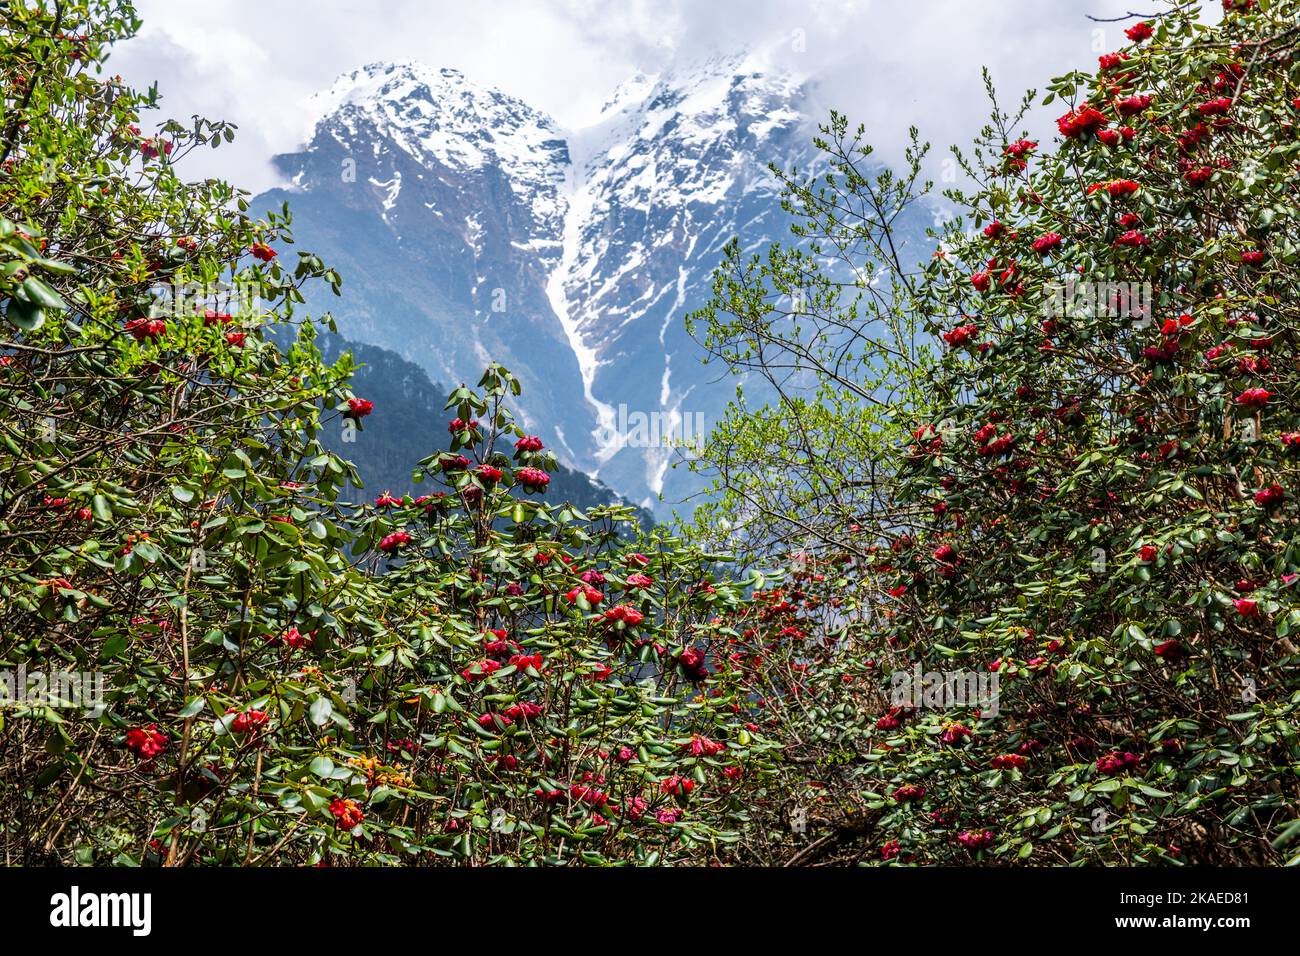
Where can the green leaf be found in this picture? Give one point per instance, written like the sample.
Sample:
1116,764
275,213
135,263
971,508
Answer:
28,316
40,293
321,710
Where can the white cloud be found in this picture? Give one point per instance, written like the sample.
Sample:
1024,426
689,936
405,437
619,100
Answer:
888,64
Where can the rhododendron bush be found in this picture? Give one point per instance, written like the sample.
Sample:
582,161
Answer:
1053,468
479,674
1091,482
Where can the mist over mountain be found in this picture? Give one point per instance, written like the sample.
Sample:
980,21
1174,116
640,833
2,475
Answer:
470,227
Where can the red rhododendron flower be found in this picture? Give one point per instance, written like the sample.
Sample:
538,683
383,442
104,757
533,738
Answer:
975,839
1046,243
1161,353
980,280
360,407
347,814
1198,177
1133,239
262,251
955,733
909,793
394,541
1009,761
945,554
1254,397
1171,649
490,721
1272,495
691,661
529,443
1253,258
1190,139
676,786
526,661
1246,607
480,670
1148,552
1076,123
593,796
497,645
1133,104
155,147
532,479
960,336
146,742
1139,32
1215,107
248,722
295,639
628,615
593,596
1116,762
146,330
704,747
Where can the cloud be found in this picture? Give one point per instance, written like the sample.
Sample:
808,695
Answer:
887,64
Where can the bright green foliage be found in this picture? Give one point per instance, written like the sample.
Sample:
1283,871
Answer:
285,680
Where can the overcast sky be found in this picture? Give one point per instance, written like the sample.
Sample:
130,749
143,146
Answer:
887,63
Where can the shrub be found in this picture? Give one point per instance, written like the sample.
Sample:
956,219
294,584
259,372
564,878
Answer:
482,674
1096,505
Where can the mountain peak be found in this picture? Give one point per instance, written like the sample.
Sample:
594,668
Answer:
578,271
435,114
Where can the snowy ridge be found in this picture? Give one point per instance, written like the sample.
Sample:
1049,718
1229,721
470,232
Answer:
667,153
439,117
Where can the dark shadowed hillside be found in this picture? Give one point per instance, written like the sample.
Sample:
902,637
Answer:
409,422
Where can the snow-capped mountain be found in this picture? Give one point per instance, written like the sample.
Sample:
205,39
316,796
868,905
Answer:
469,227
442,205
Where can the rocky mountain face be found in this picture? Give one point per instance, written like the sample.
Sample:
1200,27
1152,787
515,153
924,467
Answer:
469,228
